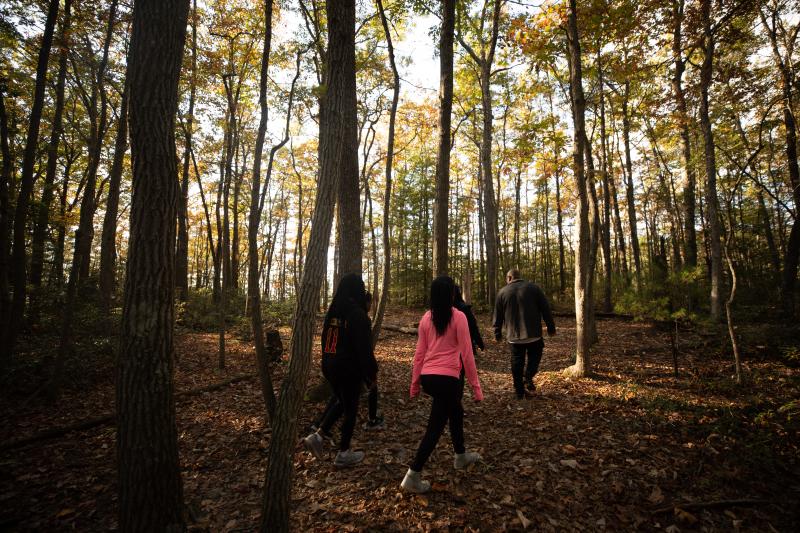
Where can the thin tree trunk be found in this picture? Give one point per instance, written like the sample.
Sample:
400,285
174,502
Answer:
5,231
442,195
608,305
332,144
43,212
150,487
19,255
387,193
706,72
626,136
583,274
108,241
182,247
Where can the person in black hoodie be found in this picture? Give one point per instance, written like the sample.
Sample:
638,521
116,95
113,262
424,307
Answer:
474,331
348,361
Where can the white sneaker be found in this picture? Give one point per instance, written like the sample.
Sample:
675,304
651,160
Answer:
465,459
348,458
314,444
414,483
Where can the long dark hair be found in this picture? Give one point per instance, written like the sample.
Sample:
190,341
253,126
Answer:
442,292
349,293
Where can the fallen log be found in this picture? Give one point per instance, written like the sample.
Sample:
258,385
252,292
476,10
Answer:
400,329
109,418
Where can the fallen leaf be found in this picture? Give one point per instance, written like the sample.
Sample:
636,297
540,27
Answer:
525,522
656,496
572,463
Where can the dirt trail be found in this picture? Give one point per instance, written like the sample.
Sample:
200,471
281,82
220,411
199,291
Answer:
619,451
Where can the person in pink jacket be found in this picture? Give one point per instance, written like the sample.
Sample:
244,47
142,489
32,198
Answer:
443,357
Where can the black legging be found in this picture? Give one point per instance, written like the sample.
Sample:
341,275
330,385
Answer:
447,392
347,387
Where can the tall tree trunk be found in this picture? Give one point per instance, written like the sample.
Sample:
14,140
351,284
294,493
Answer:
387,193
583,274
19,255
43,212
332,144
712,203
349,200
608,306
562,284
150,487
182,247
682,116
108,240
442,195
97,130
626,136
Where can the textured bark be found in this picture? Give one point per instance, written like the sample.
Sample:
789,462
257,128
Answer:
608,305
182,246
108,239
334,101
150,488
43,212
583,274
712,204
682,116
562,283
19,255
387,193
442,195
349,226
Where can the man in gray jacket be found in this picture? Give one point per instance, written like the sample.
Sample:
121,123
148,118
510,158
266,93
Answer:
520,308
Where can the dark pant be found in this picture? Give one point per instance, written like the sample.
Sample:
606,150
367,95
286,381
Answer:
447,392
531,351
372,402
333,403
346,388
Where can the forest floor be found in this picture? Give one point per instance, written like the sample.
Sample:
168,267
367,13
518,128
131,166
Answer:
631,448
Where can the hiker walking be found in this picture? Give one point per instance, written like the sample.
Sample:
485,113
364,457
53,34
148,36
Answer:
518,313
348,361
442,359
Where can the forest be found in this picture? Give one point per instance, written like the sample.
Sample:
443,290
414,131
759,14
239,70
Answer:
185,183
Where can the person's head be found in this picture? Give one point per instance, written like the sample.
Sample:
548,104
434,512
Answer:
513,275
442,294
350,292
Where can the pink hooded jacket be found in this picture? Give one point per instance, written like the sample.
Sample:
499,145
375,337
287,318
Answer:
443,354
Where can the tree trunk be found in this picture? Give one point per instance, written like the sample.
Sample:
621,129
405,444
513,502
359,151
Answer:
108,240
608,306
182,247
5,222
43,212
706,72
150,488
387,194
583,301
690,238
332,144
349,200
442,195
626,136
19,256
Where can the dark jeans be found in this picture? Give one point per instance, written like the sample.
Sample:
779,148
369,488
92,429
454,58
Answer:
519,353
447,392
372,402
333,403
346,388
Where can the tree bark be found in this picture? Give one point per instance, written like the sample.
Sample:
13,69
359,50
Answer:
19,255
108,240
712,203
626,136
349,199
583,301
5,231
387,193
182,246
334,106
608,306
43,212
442,195
150,488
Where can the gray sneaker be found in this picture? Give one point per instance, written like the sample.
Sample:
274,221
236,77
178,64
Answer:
348,458
414,483
314,444
462,460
